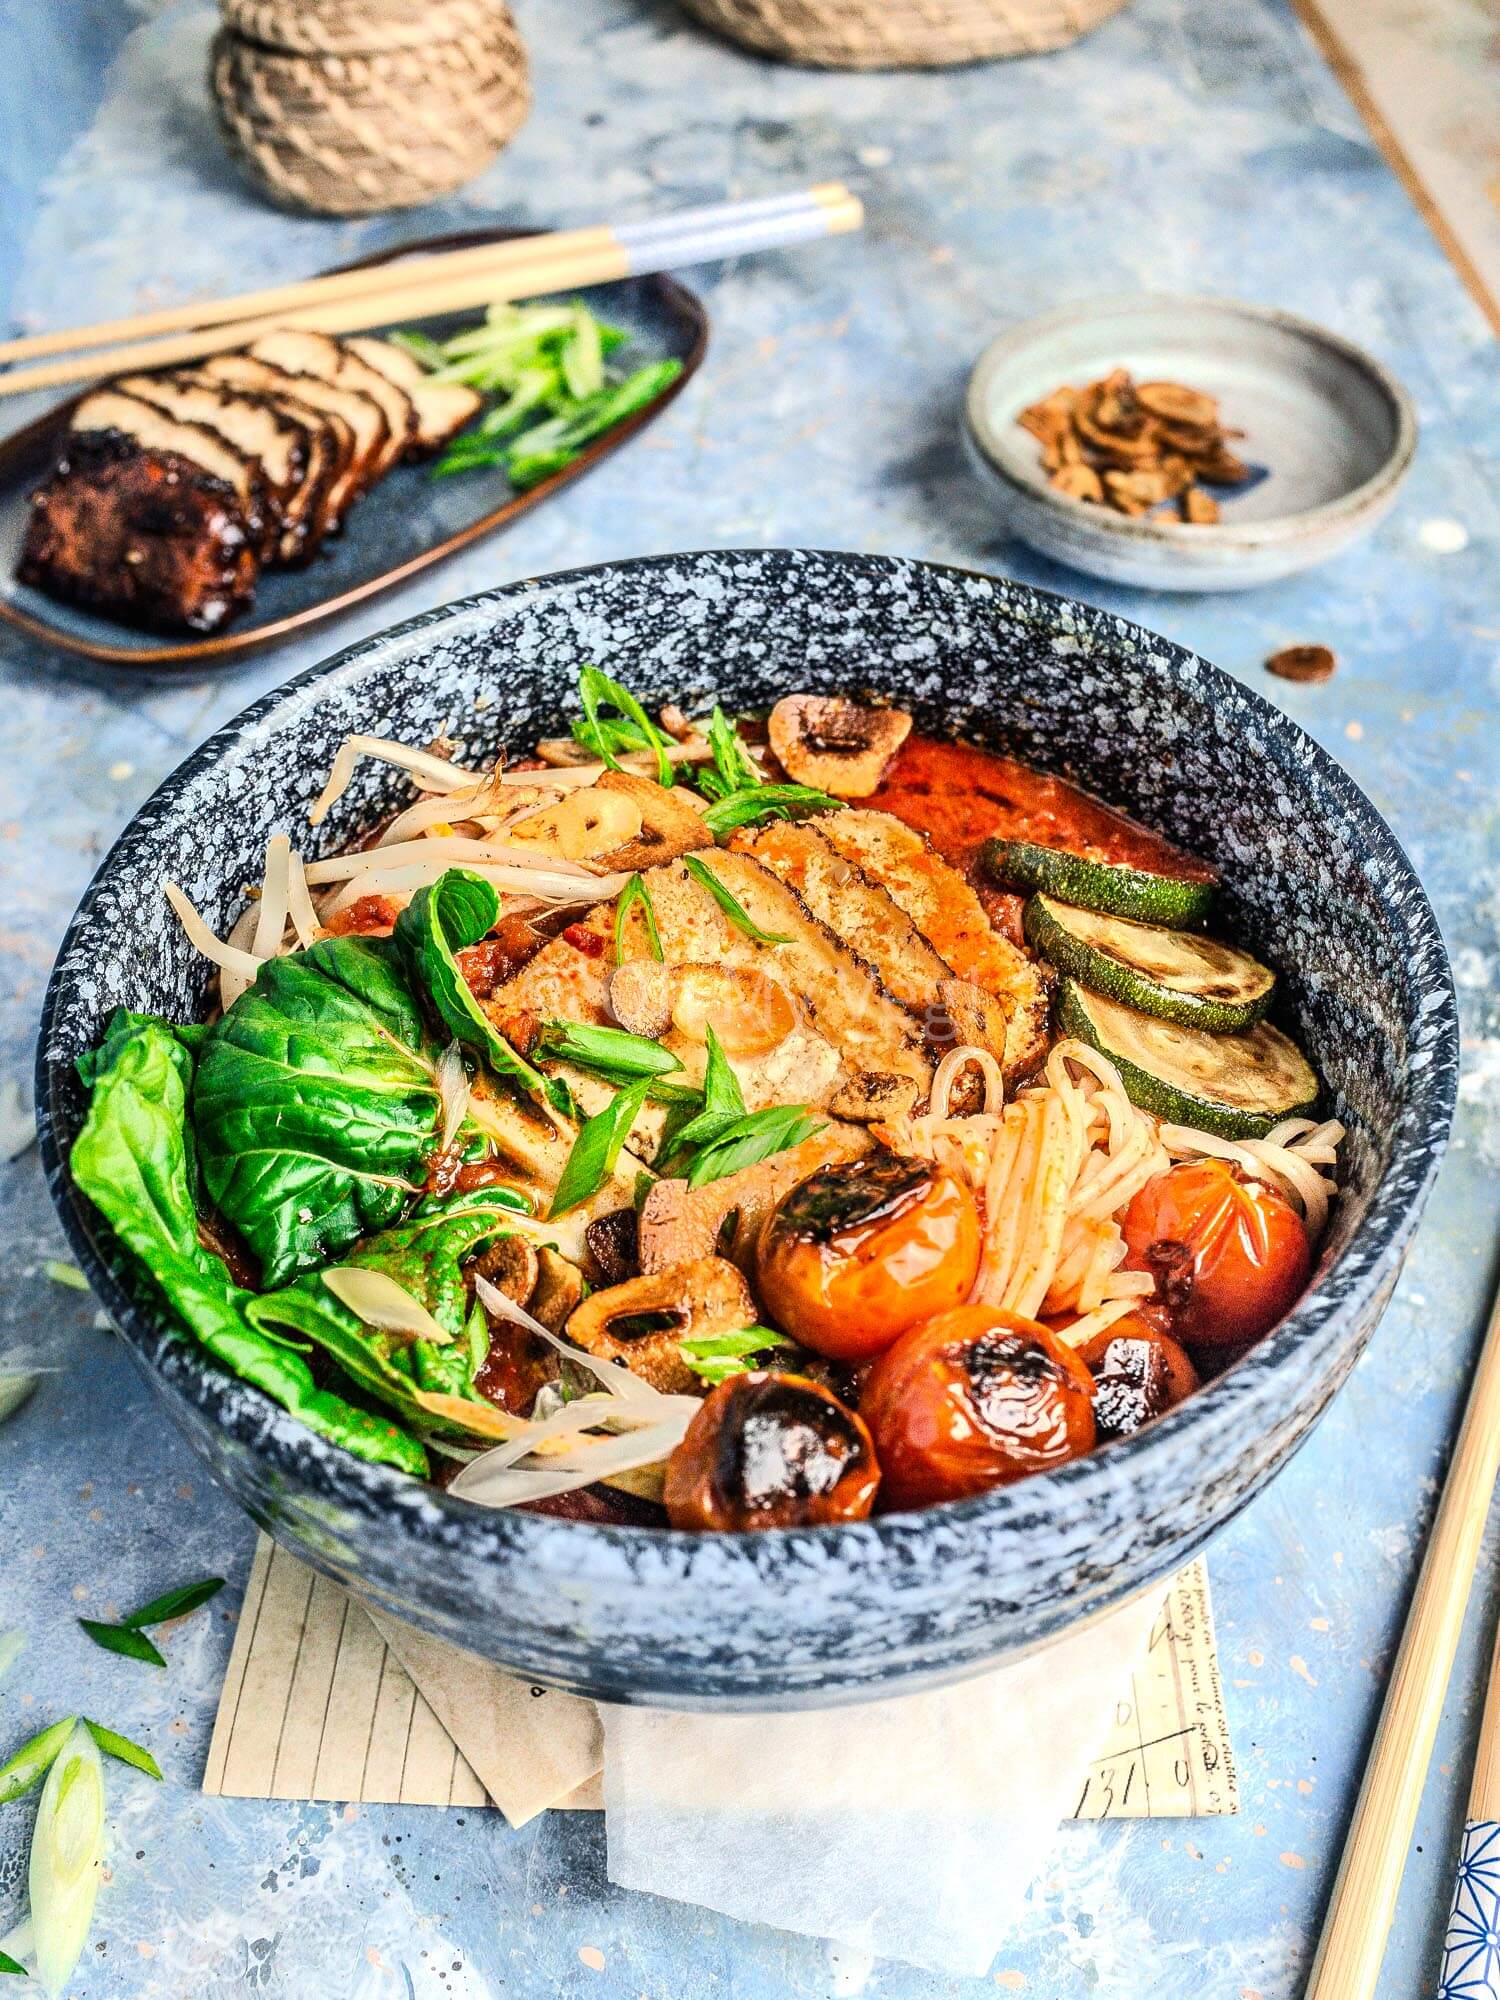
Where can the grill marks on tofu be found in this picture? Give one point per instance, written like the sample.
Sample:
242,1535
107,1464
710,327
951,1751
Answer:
249,424
849,1024
259,454
324,359
441,408
951,917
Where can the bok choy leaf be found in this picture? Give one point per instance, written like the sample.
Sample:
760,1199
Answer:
131,1160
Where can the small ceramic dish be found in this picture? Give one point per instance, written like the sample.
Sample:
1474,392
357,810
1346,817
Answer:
795,1618
407,523
1330,431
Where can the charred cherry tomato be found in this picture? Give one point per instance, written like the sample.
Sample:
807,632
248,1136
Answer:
973,1399
1229,1255
771,1451
857,1253
1138,1372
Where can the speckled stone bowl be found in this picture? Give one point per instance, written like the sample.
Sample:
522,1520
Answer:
801,1618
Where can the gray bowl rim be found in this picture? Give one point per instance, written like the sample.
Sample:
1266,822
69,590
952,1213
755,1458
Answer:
1317,1326
1226,536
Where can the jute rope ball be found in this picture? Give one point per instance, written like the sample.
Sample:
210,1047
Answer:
900,34
346,107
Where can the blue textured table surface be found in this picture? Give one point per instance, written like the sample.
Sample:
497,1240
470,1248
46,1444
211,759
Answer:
1190,145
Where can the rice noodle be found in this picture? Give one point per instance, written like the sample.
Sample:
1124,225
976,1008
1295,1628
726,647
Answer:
952,1066
1055,1170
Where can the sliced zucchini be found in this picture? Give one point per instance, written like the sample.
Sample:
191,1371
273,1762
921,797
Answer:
1177,975
1109,886
1238,1086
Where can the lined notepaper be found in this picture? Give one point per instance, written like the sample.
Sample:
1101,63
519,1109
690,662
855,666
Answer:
325,1699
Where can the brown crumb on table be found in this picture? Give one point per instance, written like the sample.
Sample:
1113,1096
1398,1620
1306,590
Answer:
1135,446
1302,663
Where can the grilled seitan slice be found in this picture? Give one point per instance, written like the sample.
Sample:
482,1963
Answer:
304,353
366,420
140,532
110,409
442,408
260,433
311,513
951,917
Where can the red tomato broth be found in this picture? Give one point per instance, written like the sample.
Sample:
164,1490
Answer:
960,797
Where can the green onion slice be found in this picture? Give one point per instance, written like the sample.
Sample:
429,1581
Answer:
736,912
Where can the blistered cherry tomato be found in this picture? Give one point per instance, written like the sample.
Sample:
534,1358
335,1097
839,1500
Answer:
771,1451
973,1399
1229,1255
857,1253
1138,1372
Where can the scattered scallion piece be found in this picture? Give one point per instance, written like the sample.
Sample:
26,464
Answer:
608,1052
765,801
128,1638
736,912
122,1639
66,1844
723,1103
26,1766
115,1745
11,1643
746,1141
717,1356
597,1148
174,1603
604,736
635,892
10,1966
733,769
65,1274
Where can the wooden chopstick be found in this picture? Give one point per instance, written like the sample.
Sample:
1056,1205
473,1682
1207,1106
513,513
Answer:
435,267
1363,1904
1468,1954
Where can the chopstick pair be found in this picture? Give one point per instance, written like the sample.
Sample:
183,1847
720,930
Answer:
1352,1946
425,287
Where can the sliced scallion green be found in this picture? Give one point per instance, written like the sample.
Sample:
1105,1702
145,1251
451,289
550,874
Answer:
597,1148
735,910
636,893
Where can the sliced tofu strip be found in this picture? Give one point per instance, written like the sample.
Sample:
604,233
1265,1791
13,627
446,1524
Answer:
679,1223
951,917
367,425
855,907
319,354
442,408
109,409
842,994
250,425
310,514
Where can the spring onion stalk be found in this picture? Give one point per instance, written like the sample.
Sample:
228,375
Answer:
10,1649
66,1847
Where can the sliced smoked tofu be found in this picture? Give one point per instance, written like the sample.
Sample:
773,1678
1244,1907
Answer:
442,408
331,361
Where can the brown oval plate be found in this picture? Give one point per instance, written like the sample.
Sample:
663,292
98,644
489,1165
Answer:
407,523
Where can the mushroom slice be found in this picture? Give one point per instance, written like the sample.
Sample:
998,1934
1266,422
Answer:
838,746
640,997
750,1012
667,823
868,1095
645,1321
580,827
510,1264
614,1244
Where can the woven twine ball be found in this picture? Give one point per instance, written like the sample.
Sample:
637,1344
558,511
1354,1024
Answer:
900,34
346,107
